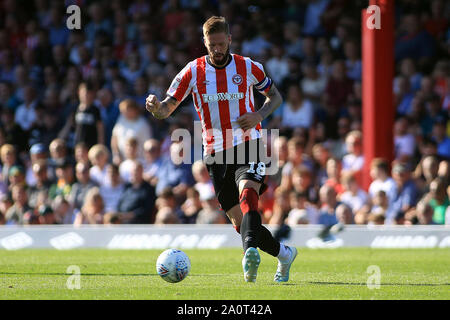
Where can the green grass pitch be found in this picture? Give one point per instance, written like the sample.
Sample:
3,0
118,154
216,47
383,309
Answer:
217,275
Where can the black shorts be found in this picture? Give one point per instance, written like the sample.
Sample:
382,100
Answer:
246,161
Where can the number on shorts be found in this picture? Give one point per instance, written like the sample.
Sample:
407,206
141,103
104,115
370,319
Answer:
260,169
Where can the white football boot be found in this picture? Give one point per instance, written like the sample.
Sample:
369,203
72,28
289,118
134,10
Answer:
282,274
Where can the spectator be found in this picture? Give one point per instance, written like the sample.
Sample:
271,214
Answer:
177,176
25,114
81,187
65,180
62,210
58,153
81,153
313,83
404,194
295,112
377,213
321,155
46,215
9,159
152,161
98,156
413,41
302,211
129,124
42,185
404,142
93,209
353,161
344,214
192,206
438,200
38,152
329,203
6,202
109,112
137,203
442,140
88,124
338,146
203,181
281,207
313,23
404,96
131,155
277,66
381,180
17,176
113,189
353,60
13,133
425,173
296,157
334,168
210,212
302,182
168,211
15,214
354,197
338,89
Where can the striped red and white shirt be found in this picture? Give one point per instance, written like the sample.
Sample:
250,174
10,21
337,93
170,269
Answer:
221,95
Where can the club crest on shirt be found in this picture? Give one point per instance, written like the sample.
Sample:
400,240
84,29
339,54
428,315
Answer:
237,79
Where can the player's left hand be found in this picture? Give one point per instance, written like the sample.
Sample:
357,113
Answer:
249,120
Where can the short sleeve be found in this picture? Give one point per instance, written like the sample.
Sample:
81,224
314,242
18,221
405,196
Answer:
182,84
261,81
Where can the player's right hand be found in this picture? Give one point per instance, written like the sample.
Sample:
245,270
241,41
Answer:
152,103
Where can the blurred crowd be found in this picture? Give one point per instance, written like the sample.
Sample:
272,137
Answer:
77,146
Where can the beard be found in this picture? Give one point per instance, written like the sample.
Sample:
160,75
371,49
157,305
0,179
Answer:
220,60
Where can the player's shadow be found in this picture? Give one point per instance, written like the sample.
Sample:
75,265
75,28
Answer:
382,284
82,274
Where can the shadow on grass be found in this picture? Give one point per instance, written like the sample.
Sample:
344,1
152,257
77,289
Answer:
382,284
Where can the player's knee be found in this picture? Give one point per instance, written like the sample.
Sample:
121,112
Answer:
249,184
248,200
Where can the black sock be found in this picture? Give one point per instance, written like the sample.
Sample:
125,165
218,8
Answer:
250,228
267,242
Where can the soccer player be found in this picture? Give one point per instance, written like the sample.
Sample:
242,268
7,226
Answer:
221,84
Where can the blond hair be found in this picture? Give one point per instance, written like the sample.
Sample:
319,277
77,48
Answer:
90,197
215,24
6,148
97,150
128,103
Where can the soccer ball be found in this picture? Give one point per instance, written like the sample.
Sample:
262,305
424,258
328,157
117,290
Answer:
173,265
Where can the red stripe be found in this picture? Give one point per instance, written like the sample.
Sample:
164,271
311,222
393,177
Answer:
183,86
224,107
258,73
201,78
241,70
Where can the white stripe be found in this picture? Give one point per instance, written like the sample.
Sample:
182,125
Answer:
211,88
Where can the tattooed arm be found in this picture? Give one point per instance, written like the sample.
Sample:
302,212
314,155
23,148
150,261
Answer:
273,101
163,109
